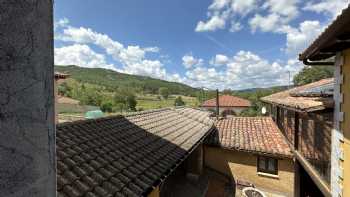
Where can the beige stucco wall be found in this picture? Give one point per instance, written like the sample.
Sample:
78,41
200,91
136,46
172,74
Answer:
243,166
237,110
345,125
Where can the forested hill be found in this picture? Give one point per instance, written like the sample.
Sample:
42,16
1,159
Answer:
113,80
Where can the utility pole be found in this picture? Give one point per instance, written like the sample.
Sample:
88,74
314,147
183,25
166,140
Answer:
217,104
289,77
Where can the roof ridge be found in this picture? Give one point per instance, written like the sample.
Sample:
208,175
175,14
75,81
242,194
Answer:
112,117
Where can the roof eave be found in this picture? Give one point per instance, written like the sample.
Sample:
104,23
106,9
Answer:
335,38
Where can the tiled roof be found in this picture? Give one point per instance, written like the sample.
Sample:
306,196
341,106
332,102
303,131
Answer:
303,103
59,75
227,101
251,134
125,155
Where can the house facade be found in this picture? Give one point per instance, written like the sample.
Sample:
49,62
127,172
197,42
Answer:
305,117
252,152
332,48
228,105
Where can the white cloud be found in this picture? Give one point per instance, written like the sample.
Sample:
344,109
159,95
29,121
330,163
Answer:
189,61
243,7
214,23
299,39
81,55
332,7
219,60
244,70
270,23
61,23
287,8
219,4
236,26
132,58
220,11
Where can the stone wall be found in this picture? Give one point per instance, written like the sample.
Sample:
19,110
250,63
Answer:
27,131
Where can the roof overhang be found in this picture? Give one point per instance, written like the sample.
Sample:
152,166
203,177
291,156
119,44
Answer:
326,105
334,39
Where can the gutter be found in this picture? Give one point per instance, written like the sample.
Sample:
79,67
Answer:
315,63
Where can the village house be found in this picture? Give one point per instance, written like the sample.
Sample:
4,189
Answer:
332,47
305,117
253,152
228,105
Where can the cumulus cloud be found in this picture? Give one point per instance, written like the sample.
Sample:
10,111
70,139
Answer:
220,11
214,23
219,60
332,7
132,58
299,38
81,55
236,26
63,22
189,61
244,70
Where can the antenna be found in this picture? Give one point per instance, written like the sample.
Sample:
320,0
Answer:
289,77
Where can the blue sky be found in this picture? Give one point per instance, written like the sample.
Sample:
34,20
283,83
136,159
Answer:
222,44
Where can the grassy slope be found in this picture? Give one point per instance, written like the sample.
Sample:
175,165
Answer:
111,80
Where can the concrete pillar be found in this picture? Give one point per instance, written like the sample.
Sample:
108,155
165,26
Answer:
27,130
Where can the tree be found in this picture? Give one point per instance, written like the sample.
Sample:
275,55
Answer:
124,99
312,74
179,102
131,102
107,107
64,89
164,92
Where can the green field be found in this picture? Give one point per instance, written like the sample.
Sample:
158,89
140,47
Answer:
147,102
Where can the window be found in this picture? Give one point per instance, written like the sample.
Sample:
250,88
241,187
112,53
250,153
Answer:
267,165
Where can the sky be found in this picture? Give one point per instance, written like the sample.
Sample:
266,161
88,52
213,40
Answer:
225,44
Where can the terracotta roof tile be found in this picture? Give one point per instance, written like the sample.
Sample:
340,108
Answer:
303,103
227,101
125,155
251,134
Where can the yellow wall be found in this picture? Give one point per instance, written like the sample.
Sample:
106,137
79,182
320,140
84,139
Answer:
242,166
154,193
345,126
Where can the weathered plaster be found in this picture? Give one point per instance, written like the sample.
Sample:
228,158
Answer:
27,137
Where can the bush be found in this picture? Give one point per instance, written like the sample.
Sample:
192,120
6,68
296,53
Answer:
164,92
179,102
107,107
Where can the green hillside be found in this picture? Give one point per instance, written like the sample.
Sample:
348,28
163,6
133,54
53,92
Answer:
112,80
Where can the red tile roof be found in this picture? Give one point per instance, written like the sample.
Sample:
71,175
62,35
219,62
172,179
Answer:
251,134
59,75
126,155
227,101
